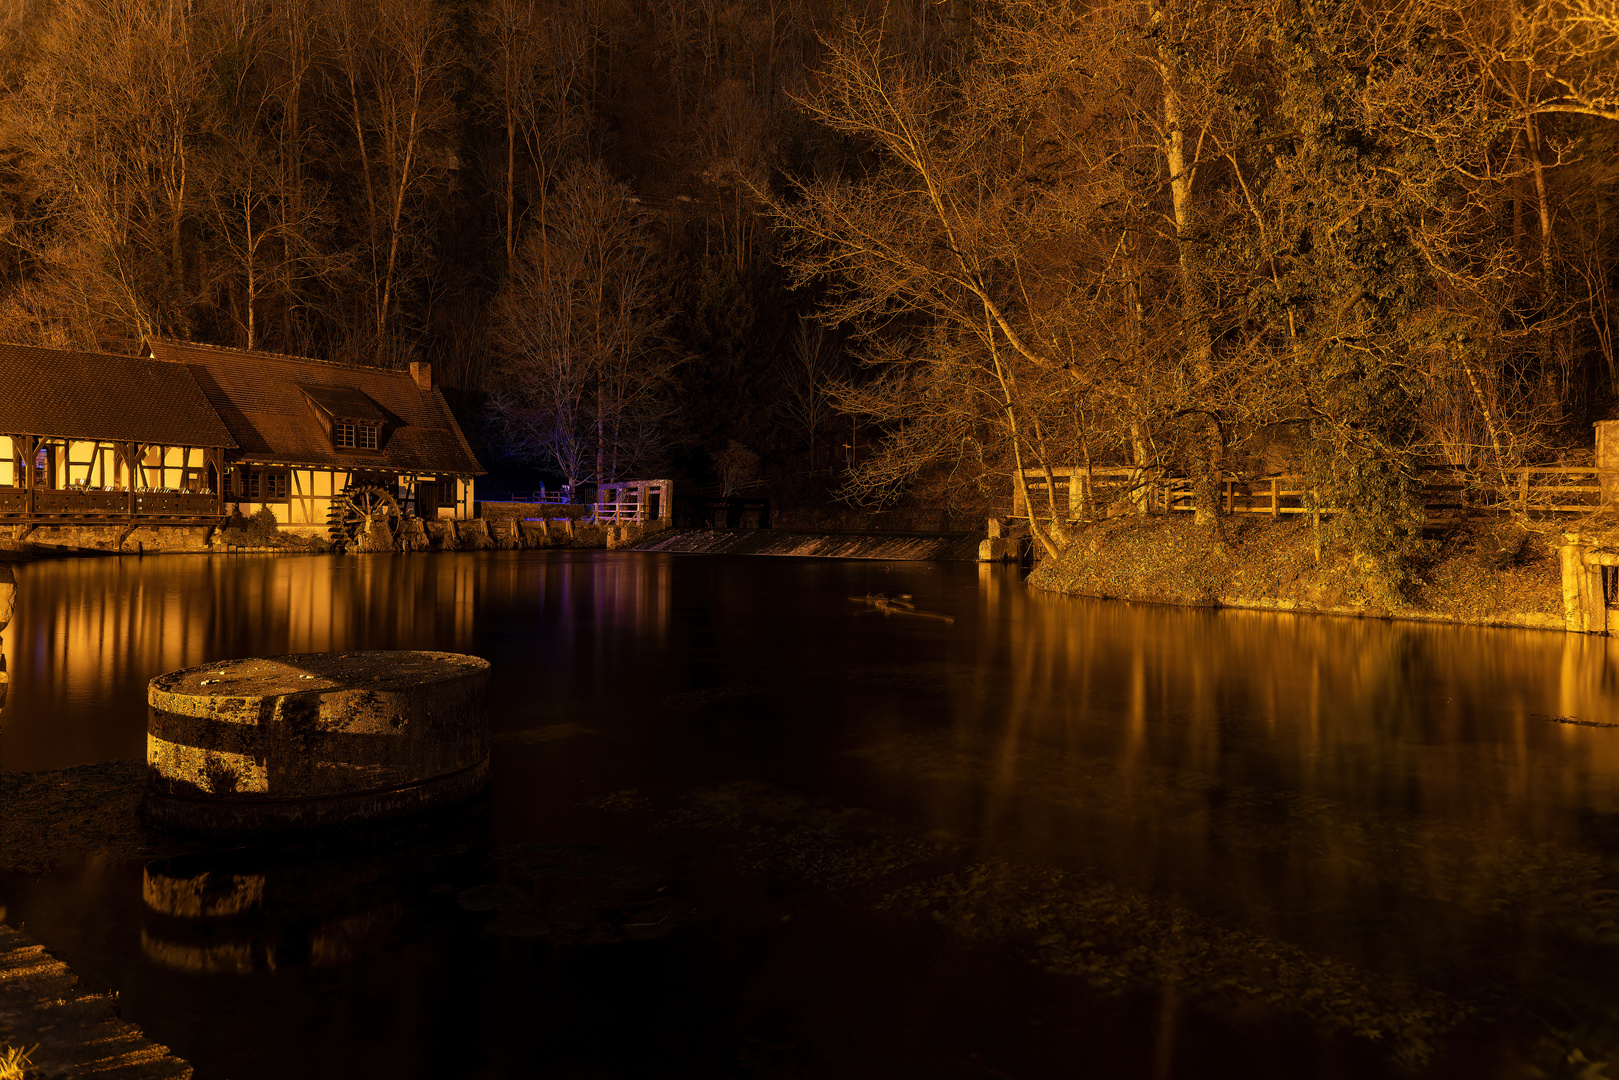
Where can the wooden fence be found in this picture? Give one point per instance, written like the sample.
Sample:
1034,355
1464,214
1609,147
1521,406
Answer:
1538,491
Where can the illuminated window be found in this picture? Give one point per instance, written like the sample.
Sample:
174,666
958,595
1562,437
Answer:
343,435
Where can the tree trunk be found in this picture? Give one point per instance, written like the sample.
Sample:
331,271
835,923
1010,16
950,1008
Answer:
1202,460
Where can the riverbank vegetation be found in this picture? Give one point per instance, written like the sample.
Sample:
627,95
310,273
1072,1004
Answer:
1475,573
892,250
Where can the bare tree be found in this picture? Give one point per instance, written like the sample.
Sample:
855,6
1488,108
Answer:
806,372
585,380
395,58
112,119
537,61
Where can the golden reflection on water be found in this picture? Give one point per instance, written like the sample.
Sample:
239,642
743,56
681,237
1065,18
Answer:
88,634
1308,776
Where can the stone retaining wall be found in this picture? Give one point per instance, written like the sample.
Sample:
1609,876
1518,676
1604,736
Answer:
431,534
112,538
521,511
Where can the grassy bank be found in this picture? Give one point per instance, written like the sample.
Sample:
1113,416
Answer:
1476,573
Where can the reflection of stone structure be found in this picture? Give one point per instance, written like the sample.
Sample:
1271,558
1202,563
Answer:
313,739
255,915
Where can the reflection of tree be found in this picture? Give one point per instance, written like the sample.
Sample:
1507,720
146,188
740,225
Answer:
1373,811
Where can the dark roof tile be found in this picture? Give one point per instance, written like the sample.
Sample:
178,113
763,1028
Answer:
85,395
344,403
264,399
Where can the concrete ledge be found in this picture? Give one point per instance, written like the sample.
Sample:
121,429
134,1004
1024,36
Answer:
1529,620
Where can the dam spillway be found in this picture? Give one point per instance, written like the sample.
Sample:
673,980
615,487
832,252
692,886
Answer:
826,544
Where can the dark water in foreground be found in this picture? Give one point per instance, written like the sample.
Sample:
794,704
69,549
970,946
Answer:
742,826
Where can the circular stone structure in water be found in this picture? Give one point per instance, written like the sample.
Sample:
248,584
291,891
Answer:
313,739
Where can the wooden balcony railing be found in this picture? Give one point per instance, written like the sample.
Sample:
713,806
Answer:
72,505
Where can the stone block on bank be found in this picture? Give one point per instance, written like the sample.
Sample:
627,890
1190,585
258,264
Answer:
534,534
441,534
376,536
505,534
8,595
412,535
473,534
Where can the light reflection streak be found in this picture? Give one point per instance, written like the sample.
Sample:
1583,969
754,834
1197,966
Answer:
90,633
1306,771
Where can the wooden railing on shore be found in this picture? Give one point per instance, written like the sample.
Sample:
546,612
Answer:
1541,490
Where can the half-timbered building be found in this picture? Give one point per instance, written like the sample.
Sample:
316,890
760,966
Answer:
187,433
307,430
91,438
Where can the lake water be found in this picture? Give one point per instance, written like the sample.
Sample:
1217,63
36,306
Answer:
743,825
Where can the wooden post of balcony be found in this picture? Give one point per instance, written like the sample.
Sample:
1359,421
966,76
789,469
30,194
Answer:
1276,497
216,457
124,458
30,448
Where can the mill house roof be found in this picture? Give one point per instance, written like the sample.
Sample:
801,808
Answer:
280,408
86,395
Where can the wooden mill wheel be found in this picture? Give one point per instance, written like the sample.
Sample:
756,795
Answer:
356,508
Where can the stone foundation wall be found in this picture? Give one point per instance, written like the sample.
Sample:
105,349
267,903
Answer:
111,539
521,511
432,534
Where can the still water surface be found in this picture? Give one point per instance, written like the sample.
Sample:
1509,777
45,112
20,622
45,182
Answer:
744,826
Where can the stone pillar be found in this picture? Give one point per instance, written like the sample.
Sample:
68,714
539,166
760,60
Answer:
287,742
412,534
1607,459
1585,608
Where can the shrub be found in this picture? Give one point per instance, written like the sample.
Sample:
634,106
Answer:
263,524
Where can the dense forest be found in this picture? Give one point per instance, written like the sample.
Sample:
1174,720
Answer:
860,250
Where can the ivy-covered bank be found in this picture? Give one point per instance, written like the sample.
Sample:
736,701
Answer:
1490,574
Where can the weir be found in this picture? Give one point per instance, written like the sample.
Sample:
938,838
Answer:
906,547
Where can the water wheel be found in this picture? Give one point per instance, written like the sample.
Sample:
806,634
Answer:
355,510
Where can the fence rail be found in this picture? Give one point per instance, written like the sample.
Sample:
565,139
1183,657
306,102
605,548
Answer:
1536,490
552,498
89,505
